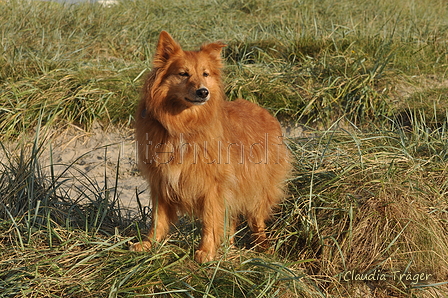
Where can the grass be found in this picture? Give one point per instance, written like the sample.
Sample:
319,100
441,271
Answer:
315,63
367,81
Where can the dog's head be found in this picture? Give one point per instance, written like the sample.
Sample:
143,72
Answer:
189,78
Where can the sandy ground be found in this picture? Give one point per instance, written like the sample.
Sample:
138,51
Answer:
90,161
87,162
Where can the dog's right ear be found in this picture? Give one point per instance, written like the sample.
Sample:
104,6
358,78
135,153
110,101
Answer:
166,48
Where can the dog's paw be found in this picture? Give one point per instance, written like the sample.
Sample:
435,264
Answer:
140,246
202,256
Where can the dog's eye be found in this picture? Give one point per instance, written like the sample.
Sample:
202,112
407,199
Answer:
184,74
205,74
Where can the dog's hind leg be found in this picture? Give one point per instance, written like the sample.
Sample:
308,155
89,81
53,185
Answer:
232,229
257,225
260,240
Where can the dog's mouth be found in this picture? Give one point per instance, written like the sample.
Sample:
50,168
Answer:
198,101
201,96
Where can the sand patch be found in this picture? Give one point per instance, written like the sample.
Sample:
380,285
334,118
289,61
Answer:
96,162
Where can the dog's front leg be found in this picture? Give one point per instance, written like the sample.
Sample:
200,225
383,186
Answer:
212,229
163,216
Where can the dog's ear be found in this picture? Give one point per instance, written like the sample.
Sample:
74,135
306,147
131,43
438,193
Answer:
166,48
213,49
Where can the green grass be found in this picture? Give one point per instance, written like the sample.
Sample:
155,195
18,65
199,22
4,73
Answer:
367,81
313,61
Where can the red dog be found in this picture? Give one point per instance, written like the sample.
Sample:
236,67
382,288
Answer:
204,155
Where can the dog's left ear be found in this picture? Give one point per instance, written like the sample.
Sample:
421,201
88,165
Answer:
167,47
213,49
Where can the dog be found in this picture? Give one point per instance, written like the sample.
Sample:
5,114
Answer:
204,155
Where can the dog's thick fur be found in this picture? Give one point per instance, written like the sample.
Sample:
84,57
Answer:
204,155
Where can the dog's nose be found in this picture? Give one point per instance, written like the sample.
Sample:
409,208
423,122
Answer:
202,92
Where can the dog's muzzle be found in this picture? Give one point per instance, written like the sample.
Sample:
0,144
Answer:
202,93
201,96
